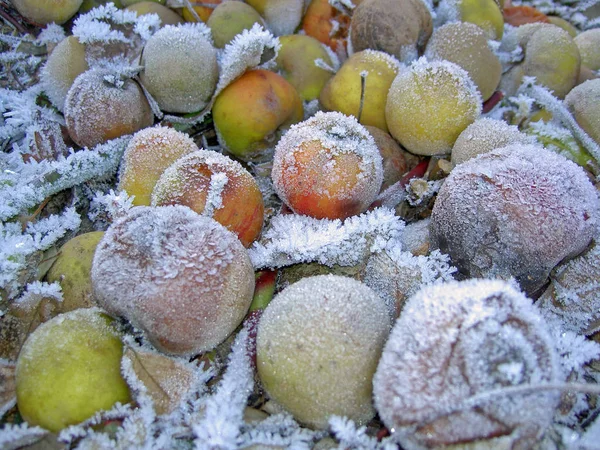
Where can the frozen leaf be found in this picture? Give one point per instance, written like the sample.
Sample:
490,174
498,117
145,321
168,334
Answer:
293,239
168,380
14,437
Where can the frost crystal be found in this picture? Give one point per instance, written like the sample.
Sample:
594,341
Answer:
18,436
293,239
224,410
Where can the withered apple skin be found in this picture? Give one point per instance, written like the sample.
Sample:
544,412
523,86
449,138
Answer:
182,278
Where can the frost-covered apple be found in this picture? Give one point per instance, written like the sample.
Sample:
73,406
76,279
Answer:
583,102
466,45
65,63
588,43
146,157
180,68
101,106
430,104
182,278
485,135
282,16
344,92
318,343
297,62
398,27
215,186
72,270
270,104
229,19
167,16
327,167
514,212
551,56
456,343
70,368
484,13
47,11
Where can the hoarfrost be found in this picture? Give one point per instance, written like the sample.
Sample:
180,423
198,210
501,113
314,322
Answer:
223,420
13,436
111,206
279,430
293,239
26,185
353,437
449,347
52,34
38,290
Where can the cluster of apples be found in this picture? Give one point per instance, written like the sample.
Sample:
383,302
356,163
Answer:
392,89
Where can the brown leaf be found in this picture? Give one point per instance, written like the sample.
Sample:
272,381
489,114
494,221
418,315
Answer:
167,379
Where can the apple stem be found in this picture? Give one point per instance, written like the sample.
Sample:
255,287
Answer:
363,82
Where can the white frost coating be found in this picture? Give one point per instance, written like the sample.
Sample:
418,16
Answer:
317,346
293,239
214,197
452,345
224,410
97,25
27,184
21,435
396,275
573,297
484,135
38,290
283,16
182,278
339,137
110,206
514,212
52,34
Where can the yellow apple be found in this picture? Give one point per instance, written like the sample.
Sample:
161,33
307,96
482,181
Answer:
70,368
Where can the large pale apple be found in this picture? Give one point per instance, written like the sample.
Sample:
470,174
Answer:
251,113
343,92
296,61
70,368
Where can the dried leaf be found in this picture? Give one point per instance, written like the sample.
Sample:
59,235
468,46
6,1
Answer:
167,379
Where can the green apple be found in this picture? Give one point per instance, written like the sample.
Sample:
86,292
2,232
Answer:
70,368
282,16
484,13
231,18
72,270
296,62
343,92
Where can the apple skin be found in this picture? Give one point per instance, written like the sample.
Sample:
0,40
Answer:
342,92
282,16
296,62
484,13
148,154
72,270
70,368
231,18
47,11
270,105
188,182
204,12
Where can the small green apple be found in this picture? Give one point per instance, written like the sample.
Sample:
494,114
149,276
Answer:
231,18
72,270
70,368
296,62
47,11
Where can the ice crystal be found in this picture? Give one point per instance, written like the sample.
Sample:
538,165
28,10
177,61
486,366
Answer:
24,186
52,34
224,411
353,437
38,290
293,239
279,430
109,207
18,436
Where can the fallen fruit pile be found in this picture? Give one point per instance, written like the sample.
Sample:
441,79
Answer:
353,224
